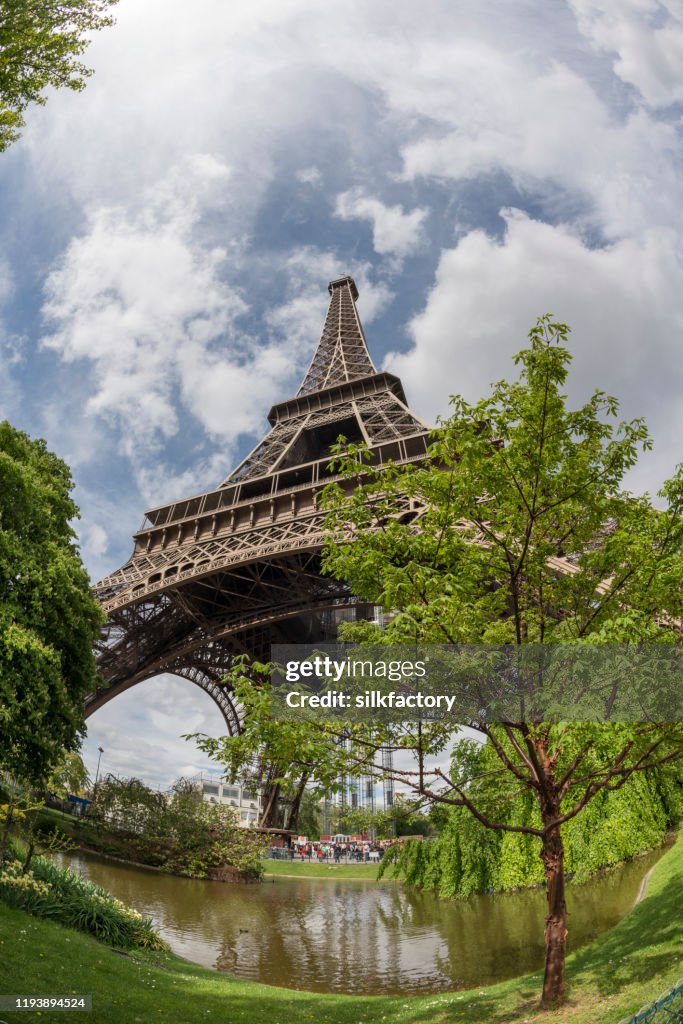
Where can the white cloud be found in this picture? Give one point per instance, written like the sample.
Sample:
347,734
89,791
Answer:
309,176
11,351
648,53
624,304
109,515
130,292
237,83
140,731
95,541
394,232
548,127
149,310
461,89
10,389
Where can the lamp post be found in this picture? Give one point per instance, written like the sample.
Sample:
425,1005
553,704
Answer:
97,773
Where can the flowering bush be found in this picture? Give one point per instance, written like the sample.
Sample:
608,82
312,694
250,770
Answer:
62,895
15,885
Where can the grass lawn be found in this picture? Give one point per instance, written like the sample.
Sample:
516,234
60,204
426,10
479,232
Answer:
66,822
629,966
302,869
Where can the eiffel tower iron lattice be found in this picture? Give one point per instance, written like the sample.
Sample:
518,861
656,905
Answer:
237,568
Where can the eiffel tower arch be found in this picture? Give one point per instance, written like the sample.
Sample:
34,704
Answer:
237,568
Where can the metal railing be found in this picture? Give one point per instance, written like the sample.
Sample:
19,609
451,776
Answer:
668,1009
278,853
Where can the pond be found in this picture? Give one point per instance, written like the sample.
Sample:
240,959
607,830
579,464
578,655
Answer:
359,936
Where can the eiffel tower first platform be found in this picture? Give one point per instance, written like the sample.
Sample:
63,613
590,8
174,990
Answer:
235,569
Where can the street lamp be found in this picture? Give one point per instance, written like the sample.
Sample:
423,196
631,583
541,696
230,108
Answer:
97,773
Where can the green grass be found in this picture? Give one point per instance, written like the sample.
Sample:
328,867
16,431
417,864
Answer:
302,869
93,836
629,966
50,817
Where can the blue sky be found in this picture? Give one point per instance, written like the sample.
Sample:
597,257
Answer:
169,233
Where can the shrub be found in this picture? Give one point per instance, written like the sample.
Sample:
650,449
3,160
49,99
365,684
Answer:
63,896
468,858
183,835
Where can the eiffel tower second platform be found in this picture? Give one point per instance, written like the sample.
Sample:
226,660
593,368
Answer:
237,568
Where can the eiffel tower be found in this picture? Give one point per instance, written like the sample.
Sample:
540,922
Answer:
237,568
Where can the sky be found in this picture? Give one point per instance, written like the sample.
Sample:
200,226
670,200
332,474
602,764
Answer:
168,235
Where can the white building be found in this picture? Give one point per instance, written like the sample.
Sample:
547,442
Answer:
246,801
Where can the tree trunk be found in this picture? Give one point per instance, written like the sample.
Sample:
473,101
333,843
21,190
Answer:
29,856
552,855
4,838
293,820
270,811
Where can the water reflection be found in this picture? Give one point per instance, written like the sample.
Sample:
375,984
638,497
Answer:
355,936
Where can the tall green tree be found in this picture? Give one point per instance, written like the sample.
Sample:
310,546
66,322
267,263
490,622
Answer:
40,46
516,531
524,535
49,619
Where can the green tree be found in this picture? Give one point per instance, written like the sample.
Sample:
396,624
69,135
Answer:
280,759
128,805
69,775
310,813
403,818
473,548
40,46
49,620
178,832
516,531
467,858
353,820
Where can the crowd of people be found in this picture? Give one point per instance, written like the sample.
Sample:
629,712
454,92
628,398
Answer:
336,850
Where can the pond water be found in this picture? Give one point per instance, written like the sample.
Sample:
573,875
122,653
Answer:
358,936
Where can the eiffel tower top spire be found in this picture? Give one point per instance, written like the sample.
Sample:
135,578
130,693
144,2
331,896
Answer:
342,354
